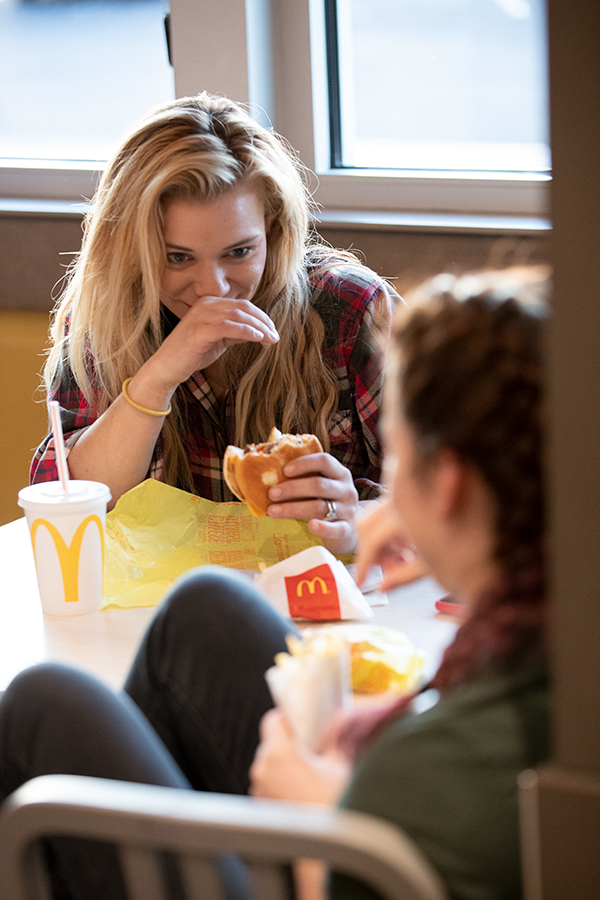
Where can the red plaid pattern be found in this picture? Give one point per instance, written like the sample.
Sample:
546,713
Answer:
346,297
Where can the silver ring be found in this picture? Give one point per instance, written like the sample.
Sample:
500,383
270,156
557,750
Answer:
331,513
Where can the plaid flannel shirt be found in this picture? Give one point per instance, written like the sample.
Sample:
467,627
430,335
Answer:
346,297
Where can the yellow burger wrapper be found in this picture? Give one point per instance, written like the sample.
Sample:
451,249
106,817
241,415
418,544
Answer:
156,532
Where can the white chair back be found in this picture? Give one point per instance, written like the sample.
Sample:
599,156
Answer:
194,829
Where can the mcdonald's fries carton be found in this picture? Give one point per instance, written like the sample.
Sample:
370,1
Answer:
313,584
67,534
310,684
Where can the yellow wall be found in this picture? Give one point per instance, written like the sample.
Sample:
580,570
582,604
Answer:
23,417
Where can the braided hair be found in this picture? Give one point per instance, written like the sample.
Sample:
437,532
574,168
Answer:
469,353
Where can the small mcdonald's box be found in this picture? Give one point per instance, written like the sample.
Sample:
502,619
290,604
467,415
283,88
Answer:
313,584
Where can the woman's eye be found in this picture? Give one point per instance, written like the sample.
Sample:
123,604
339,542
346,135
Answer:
240,252
176,257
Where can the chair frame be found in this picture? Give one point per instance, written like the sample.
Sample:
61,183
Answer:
145,820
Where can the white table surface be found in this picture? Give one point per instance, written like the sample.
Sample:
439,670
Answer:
104,643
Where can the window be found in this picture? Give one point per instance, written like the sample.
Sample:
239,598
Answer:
438,84
74,76
355,184
461,198
274,55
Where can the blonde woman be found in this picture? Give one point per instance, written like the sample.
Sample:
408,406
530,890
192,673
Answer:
202,312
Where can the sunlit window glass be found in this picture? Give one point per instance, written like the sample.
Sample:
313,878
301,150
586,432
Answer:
76,74
440,84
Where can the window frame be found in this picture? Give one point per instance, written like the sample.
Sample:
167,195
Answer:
303,117
290,91
66,183
273,57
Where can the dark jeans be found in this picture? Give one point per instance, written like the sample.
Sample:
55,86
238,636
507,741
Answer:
199,692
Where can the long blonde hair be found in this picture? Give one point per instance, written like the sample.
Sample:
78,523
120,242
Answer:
195,148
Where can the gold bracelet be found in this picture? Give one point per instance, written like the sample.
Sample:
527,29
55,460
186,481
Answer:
151,412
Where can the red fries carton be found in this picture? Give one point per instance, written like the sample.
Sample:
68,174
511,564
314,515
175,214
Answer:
313,584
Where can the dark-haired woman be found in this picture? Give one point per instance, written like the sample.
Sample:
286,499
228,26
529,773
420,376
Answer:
463,435
464,427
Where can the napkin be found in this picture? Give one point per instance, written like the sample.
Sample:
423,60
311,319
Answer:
310,684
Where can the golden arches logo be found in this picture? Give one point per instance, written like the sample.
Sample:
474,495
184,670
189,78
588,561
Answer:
313,594
68,556
312,586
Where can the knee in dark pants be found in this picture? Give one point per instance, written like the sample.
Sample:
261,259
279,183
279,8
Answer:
45,687
208,590
37,714
217,603
40,683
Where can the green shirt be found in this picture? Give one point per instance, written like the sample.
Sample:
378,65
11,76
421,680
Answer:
448,778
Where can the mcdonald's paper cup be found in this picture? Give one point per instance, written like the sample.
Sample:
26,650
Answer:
67,535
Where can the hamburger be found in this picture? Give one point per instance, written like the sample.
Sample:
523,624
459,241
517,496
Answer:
251,472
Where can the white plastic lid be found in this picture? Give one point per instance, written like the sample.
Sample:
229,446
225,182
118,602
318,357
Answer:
51,493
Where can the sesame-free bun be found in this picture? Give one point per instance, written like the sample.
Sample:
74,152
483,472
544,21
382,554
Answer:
251,472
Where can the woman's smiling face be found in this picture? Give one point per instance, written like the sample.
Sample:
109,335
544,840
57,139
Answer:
214,249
